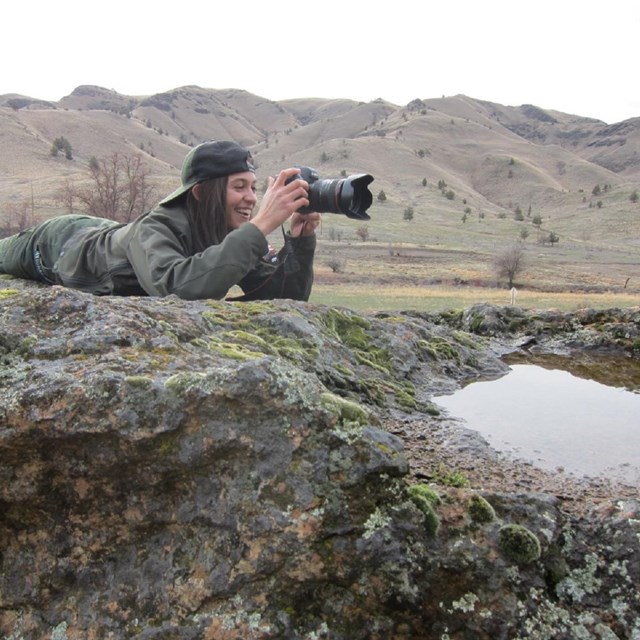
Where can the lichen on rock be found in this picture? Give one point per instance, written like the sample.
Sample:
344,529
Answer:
177,469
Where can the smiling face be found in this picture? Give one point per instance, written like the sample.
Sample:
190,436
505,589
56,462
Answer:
241,199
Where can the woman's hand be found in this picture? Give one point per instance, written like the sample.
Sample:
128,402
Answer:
281,200
304,224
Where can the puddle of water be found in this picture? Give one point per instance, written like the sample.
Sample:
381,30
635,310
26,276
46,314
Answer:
557,415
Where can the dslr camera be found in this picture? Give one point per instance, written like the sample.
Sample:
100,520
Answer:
349,196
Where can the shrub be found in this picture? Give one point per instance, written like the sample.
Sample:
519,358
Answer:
62,144
336,264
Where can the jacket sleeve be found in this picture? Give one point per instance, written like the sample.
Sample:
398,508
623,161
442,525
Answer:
291,277
160,257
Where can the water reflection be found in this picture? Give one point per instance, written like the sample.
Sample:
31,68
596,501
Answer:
613,371
579,413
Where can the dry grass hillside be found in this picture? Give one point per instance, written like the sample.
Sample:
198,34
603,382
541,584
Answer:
471,175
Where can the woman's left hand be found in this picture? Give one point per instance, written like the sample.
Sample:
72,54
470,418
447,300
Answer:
304,224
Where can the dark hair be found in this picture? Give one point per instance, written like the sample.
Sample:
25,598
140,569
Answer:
207,215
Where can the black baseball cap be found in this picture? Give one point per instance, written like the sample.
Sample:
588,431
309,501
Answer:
211,159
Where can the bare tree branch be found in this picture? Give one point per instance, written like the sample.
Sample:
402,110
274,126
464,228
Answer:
510,263
119,189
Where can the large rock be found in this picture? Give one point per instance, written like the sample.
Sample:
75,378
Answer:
218,470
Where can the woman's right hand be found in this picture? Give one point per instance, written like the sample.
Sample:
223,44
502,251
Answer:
281,200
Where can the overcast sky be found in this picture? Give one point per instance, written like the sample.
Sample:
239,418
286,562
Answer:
570,55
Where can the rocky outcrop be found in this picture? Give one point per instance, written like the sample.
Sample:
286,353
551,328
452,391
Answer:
217,470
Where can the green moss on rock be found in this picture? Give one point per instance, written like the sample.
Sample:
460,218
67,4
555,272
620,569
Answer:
200,343
140,382
347,410
233,350
480,510
423,501
246,336
465,339
439,349
215,318
345,371
183,381
294,349
374,358
350,329
425,491
519,544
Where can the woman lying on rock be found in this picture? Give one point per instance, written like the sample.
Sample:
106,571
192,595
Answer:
197,243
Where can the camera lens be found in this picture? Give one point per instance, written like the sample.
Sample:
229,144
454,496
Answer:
324,196
349,196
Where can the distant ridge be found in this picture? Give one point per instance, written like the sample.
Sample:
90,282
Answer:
494,158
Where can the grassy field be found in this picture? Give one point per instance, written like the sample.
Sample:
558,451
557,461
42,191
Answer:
438,298
378,276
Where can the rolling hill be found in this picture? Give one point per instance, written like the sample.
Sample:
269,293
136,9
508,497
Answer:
452,173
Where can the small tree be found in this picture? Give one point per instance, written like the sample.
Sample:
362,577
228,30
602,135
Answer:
18,216
66,196
510,263
382,196
408,213
634,197
363,232
336,264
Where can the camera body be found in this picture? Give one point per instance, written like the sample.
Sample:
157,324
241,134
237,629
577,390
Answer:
349,196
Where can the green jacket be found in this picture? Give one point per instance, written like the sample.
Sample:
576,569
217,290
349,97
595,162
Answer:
154,255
